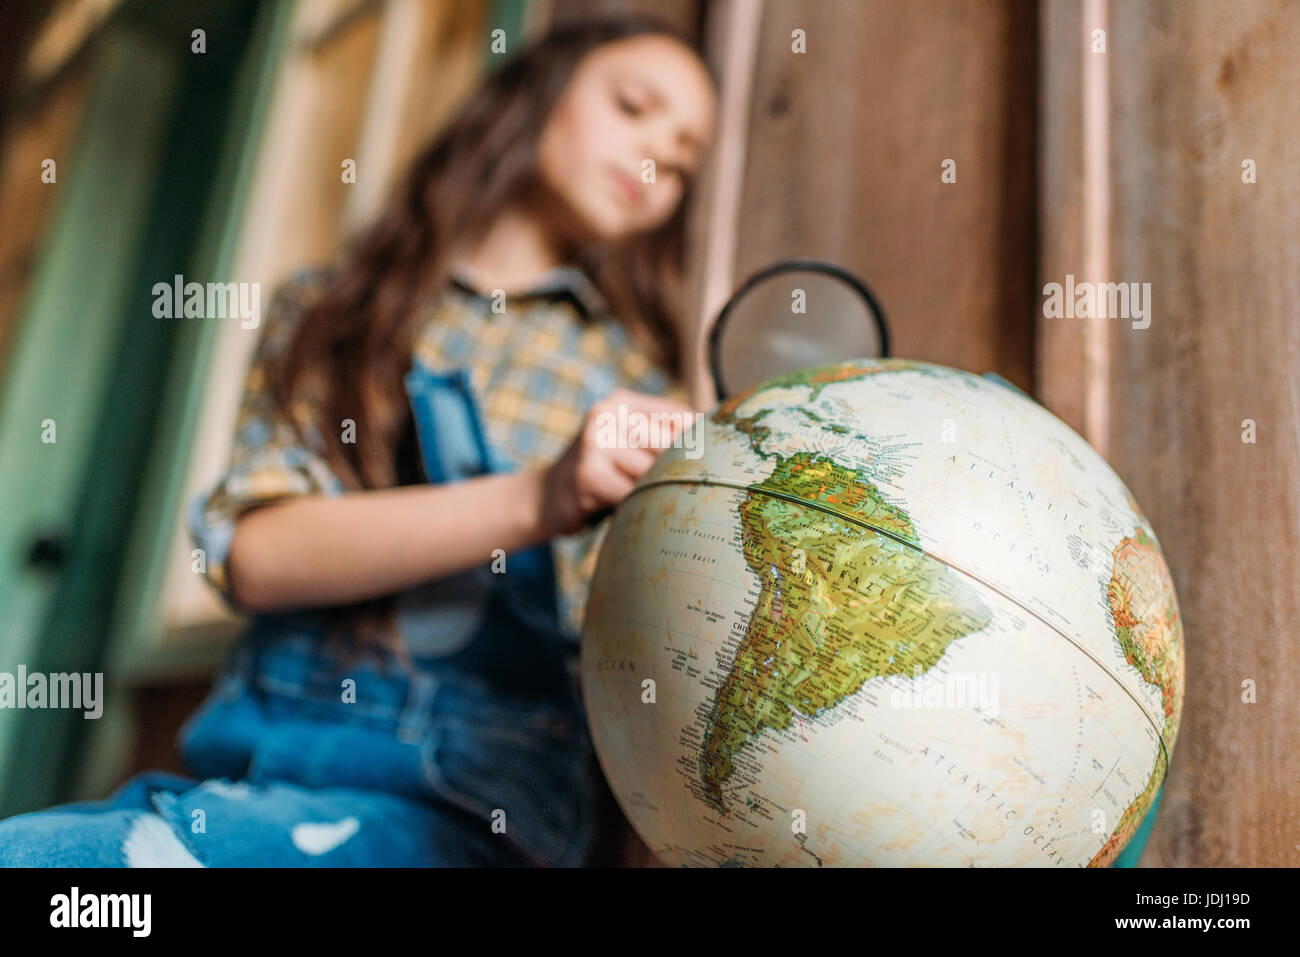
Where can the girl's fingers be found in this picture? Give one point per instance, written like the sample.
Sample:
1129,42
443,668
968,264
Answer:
611,484
632,463
646,401
654,420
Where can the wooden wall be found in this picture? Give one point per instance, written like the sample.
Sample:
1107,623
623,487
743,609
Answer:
1151,190
683,14
846,143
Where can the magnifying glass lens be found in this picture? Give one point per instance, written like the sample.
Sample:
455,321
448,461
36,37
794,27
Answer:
792,320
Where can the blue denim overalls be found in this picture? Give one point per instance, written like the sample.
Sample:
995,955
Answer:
478,756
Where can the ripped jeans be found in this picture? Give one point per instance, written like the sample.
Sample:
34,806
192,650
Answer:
301,762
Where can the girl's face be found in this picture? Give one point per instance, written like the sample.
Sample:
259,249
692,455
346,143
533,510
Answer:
628,132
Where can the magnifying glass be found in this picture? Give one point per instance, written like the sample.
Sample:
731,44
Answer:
793,314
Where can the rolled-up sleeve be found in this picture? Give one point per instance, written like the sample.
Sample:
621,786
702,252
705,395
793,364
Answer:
273,455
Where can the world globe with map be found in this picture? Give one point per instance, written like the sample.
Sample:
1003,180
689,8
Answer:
882,613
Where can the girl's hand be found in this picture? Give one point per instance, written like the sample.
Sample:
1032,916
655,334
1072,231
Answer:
601,465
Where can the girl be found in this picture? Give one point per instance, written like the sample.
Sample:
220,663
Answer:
410,509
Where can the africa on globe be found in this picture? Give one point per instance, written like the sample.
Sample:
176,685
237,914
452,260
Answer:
887,614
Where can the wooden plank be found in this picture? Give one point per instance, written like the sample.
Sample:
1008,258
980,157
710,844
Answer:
733,33
45,130
683,14
845,154
64,32
1059,345
430,57
395,57
452,50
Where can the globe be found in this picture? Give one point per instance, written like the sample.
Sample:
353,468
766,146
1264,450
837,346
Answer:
882,613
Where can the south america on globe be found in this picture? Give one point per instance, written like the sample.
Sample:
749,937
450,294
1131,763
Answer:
887,614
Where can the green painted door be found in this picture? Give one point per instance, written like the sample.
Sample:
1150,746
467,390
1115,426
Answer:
86,411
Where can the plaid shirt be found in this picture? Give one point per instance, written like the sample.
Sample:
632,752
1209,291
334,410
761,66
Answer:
534,368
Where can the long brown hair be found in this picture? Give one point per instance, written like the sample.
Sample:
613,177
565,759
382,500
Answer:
354,341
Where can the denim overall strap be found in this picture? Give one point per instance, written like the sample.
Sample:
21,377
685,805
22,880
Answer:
448,423
453,447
